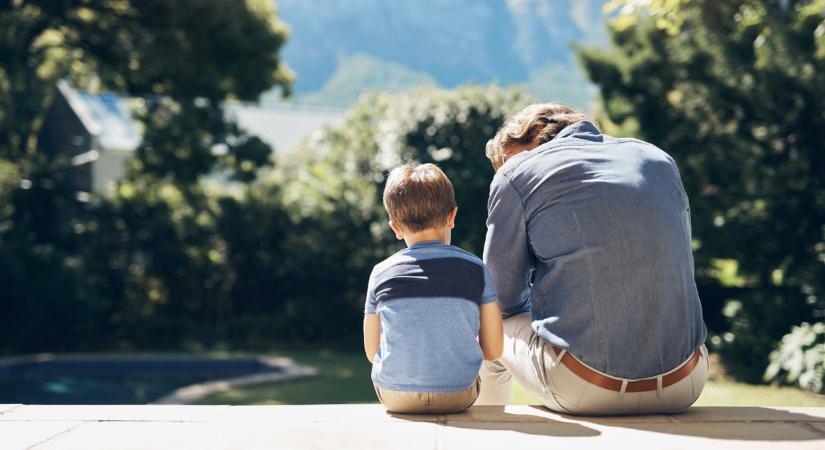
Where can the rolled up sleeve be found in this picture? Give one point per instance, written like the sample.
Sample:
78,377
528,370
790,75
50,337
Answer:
506,250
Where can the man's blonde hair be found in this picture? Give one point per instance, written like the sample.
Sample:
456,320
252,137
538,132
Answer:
419,197
537,124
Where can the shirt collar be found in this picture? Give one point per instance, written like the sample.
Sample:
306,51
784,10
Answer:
580,127
426,243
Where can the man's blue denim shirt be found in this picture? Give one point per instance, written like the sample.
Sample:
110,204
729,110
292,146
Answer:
602,228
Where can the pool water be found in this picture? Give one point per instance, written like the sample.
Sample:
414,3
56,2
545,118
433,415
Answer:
115,380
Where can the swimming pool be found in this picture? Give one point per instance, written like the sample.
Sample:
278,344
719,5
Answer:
115,379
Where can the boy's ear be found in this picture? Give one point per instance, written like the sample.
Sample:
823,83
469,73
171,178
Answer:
399,233
451,218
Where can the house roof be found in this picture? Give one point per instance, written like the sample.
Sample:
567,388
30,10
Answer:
283,125
107,117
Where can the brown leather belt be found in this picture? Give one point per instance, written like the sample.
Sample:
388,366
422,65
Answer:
613,384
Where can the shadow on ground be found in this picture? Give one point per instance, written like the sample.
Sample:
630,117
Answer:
495,418
725,423
738,423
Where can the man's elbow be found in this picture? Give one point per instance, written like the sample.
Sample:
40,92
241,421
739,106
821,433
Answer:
521,307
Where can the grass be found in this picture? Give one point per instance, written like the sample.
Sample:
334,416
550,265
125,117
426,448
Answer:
345,378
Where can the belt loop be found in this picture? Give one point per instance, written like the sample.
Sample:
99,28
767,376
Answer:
659,392
559,357
542,367
547,383
622,390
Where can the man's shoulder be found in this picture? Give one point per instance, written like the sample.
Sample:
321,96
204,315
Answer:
505,182
629,141
553,153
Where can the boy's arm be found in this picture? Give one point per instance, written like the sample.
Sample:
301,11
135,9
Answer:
491,331
372,335
372,324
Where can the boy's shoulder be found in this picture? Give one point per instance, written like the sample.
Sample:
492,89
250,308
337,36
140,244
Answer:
396,258
471,256
412,254
430,270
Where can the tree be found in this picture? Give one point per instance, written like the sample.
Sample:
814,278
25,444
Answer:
78,274
332,187
348,164
185,50
735,91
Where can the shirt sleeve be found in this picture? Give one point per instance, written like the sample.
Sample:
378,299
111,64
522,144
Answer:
371,303
490,295
506,250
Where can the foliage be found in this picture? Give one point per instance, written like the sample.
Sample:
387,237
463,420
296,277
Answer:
304,272
146,265
184,50
735,91
448,128
800,358
173,260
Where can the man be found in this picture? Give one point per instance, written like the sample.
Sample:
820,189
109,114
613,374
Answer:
588,241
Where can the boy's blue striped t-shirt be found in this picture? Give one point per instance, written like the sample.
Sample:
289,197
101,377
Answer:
428,297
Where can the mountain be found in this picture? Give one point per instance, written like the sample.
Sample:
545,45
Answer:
354,74
339,48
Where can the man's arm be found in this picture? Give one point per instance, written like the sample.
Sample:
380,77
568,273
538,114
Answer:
506,250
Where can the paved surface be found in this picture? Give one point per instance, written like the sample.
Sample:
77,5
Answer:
370,427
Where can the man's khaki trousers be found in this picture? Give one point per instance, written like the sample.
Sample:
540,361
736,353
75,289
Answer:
534,365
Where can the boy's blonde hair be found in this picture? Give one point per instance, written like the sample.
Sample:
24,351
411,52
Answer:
419,197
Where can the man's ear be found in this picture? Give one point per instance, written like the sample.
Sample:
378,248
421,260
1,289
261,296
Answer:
451,218
399,233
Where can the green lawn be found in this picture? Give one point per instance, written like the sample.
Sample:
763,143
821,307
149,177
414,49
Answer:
345,378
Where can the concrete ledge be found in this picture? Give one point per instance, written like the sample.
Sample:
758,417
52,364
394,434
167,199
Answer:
370,427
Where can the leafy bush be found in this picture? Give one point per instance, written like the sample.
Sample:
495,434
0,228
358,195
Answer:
346,165
281,261
757,318
144,267
800,358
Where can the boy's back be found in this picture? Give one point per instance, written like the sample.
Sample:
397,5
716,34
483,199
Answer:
431,314
428,298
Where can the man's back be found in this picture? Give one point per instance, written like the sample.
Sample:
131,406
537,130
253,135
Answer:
607,227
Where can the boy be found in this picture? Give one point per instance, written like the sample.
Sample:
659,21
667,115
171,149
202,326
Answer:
431,311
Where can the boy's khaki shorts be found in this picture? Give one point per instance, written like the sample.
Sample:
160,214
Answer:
428,402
